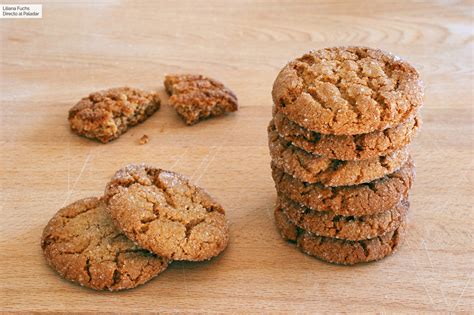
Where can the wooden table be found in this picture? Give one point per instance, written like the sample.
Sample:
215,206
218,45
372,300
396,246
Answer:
81,46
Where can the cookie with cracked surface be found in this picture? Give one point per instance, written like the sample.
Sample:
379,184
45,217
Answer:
365,199
84,246
166,214
356,147
313,168
196,97
354,228
107,114
338,251
348,90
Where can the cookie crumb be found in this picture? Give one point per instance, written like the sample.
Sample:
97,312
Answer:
144,140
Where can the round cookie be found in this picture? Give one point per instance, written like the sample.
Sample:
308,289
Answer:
105,115
83,245
354,228
357,147
339,251
348,90
365,199
166,214
312,168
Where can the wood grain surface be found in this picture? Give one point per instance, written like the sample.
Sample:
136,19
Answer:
78,47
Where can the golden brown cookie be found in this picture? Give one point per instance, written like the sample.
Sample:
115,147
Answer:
313,168
348,90
365,199
105,115
83,245
166,214
196,97
339,251
356,147
354,228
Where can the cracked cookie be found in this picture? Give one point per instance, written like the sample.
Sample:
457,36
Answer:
196,97
313,168
166,214
377,196
105,115
83,245
356,147
329,224
348,90
339,251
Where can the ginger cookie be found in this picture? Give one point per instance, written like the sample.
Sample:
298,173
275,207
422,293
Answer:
365,199
313,168
196,97
338,251
166,214
105,115
348,90
354,228
356,147
83,245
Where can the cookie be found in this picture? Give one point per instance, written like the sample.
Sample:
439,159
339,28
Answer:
83,245
166,214
313,168
337,251
329,224
105,115
357,147
196,97
365,199
348,90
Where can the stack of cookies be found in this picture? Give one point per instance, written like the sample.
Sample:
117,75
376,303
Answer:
147,218
342,118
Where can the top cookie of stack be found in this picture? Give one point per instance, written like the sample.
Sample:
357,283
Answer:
348,103
342,118
348,91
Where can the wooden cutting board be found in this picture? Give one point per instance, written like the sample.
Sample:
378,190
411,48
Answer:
78,47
